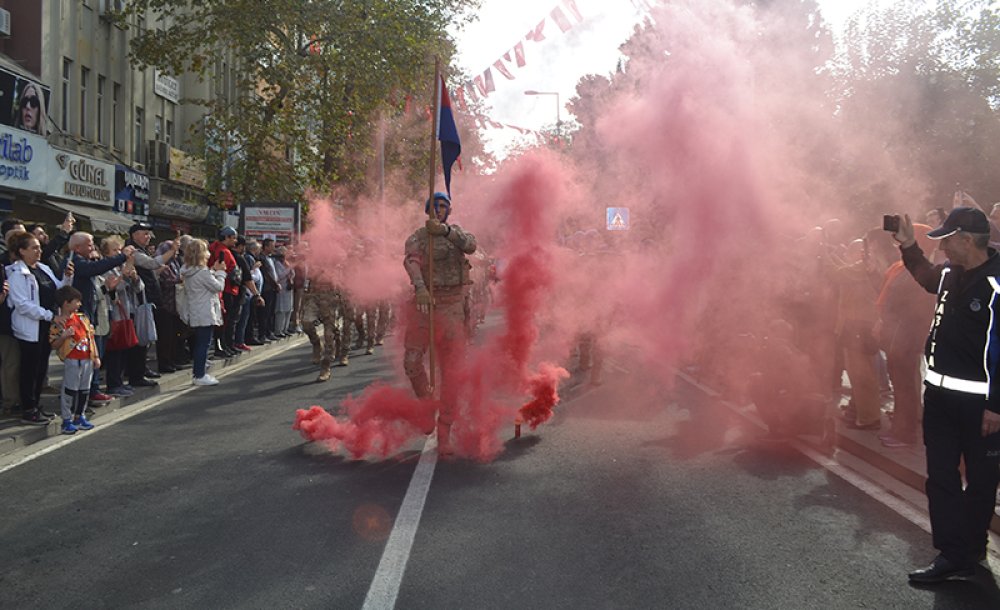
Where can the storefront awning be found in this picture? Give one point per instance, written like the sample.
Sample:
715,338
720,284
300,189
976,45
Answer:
101,220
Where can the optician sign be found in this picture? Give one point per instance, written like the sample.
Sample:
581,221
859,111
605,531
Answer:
80,178
23,160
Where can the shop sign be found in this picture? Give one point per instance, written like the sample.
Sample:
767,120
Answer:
80,178
23,161
131,191
276,221
186,169
166,86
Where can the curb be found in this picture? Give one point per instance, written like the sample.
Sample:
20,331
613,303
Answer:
18,437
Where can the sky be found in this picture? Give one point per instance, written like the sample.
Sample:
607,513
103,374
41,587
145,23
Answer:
558,62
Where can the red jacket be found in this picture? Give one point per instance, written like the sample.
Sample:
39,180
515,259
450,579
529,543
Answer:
227,255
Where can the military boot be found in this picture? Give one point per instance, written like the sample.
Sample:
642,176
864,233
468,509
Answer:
324,373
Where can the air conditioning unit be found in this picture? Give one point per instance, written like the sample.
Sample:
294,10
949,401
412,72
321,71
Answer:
4,23
158,159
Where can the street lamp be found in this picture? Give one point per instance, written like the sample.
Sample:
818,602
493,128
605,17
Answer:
558,106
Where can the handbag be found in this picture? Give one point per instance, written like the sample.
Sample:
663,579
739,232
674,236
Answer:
122,335
145,324
181,301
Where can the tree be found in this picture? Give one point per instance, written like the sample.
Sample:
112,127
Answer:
313,79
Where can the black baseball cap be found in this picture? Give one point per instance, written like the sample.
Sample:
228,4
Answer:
967,219
140,226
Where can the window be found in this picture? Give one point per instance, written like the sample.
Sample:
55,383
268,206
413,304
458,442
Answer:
158,128
100,109
116,95
140,127
170,133
84,77
67,70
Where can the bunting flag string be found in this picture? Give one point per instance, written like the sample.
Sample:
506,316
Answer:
484,84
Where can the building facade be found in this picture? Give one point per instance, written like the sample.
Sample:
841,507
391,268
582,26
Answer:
110,143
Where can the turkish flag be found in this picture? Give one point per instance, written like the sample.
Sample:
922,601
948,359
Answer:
571,6
502,69
560,18
536,34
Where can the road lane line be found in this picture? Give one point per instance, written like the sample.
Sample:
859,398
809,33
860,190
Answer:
385,585
853,478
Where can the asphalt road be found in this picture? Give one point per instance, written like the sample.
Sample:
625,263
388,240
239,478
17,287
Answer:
658,500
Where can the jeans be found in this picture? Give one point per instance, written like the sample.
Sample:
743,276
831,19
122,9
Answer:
241,325
201,340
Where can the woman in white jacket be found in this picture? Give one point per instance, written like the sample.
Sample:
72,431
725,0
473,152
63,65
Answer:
204,309
33,303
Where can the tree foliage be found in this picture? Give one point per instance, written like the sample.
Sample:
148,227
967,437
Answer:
313,80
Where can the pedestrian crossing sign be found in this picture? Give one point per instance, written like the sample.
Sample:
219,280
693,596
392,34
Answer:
617,219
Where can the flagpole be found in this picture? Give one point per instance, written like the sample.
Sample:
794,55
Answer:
432,213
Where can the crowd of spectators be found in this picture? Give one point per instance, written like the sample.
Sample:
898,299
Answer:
854,314
189,300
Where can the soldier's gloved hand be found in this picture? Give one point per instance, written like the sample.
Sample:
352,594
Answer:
436,228
423,298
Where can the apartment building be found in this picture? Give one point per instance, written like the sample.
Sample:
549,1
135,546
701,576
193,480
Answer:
82,130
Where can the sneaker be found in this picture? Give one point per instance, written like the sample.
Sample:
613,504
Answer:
34,418
99,399
120,391
206,380
68,427
82,423
144,383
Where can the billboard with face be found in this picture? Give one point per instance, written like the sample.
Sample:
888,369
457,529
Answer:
24,103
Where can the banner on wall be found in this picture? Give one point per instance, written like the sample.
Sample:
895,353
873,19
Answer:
24,103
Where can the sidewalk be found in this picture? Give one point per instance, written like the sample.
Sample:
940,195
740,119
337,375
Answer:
14,435
905,465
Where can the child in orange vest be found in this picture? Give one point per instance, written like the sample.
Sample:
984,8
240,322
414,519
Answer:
72,336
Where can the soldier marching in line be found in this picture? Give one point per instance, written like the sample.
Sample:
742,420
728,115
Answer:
324,304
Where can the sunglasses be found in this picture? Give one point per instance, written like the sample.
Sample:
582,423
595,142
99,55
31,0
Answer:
31,101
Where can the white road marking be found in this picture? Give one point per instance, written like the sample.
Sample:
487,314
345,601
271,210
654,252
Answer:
53,443
385,585
901,507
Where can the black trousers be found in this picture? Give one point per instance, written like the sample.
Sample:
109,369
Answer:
265,318
166,337
34,367
960,518
232,303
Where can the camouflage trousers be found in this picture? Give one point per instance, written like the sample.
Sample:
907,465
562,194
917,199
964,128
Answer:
328,309
449,330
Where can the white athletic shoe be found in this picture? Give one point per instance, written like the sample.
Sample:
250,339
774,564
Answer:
206,380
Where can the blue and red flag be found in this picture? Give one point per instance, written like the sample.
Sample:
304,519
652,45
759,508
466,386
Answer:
447,134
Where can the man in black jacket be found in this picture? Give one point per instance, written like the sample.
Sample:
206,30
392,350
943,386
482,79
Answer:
269,291
961,389
140,235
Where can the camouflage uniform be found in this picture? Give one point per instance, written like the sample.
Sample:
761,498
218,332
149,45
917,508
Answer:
324,305
450,282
